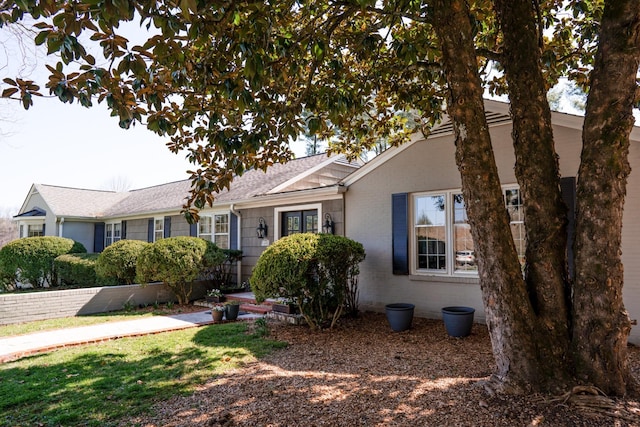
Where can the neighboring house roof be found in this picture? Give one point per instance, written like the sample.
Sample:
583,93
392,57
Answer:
77,202
304,173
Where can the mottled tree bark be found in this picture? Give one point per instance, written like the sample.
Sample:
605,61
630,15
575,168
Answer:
510,316
601,324
537,174
537,329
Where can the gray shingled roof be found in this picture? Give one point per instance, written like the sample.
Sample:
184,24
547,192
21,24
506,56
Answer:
166,197
78,202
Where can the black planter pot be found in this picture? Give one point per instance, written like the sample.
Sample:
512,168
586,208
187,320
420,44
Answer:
231,311
399,316
458,320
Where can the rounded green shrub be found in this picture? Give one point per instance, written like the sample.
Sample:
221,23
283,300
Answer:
177,261
30,259
80,270
318,272
119,260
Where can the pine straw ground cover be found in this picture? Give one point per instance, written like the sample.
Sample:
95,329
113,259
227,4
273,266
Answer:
363,374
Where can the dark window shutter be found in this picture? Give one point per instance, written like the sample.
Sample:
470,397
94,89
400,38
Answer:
233,231
568,189
44,229
123,230
150,229
98,237
400,232
193,230
167,226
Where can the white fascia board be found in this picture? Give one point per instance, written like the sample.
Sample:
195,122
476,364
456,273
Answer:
301,196
284,185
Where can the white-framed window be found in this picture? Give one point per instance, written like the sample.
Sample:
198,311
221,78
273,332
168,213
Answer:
441,235
158,229
35,230
31,228
112,233
215,227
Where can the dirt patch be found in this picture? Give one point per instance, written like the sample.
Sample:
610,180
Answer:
363,374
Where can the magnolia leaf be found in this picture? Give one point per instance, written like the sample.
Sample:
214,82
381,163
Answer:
9,91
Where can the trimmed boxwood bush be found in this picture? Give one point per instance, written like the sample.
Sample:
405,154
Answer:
80,270
30,259
318,272
118,261
178,261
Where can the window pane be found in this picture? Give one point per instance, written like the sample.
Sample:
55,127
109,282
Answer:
222,224
430,210
431,232
204,225
311,222
465,259
293,224
514,204
159,232
35,230
513,201
222,241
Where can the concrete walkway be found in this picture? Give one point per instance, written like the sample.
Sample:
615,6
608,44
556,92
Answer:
16,347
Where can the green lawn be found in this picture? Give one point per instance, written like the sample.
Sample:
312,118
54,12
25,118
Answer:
100,384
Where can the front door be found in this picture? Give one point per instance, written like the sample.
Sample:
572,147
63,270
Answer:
299,222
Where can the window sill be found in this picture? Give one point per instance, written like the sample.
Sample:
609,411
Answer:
472,280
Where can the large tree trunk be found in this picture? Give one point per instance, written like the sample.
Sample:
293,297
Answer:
601,324
537,173
510,316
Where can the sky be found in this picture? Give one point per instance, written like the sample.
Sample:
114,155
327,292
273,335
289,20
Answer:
69,145
72,146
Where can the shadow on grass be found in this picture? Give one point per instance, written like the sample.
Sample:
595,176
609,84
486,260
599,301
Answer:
102,384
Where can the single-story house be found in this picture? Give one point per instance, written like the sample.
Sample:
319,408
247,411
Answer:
405,206
301,195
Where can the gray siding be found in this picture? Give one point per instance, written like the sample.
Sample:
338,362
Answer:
80,232
430,166
137,229
179,226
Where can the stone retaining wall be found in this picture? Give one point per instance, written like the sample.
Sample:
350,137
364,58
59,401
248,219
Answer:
25,307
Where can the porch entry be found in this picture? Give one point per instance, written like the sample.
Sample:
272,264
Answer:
299,222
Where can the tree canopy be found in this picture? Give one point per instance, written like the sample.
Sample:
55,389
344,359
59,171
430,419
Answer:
233,82
229,81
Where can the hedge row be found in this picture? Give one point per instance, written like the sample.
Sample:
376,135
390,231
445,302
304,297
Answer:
51,261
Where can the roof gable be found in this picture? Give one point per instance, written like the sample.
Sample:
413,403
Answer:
497,113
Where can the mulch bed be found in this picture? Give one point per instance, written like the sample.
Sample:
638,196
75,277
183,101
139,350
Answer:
363,374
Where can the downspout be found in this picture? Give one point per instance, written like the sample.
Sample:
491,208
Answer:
239,239
61,220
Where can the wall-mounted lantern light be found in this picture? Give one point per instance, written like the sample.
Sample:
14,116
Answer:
327,226
262,228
